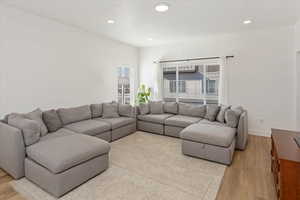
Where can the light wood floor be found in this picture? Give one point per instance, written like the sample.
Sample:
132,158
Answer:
248,178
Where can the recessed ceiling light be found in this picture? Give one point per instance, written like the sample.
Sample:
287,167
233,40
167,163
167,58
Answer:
150,39
247,21
110,21
162,7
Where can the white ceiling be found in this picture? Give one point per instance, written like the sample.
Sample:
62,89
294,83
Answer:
136,20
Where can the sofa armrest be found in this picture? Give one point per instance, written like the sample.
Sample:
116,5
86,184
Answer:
242,131
12,150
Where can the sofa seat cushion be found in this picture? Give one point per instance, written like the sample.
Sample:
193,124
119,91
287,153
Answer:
205,121
89,127
63,153
62,132
209,134
118,122
155,118
181,120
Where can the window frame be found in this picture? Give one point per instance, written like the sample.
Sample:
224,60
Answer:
205,64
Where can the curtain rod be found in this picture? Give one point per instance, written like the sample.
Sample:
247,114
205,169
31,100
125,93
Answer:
192,59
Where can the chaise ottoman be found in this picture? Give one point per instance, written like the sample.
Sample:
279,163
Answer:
60,164
210,142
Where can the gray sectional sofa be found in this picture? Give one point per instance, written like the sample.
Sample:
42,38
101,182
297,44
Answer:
209,132
60,149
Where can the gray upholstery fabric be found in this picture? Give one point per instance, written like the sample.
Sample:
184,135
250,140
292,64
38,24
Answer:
144,108
221,114
238,110
215,123
242,131
59,133
59,184
171,107
118,122
36,115
126,110
191,110
12,150
173,131
212,112
52,120
150,127
96,110
75,114
218,154
155,118
5,119
156,107
89,127
31,129
62,153
123,131
181,120
231,118
110,110
105,136
209,134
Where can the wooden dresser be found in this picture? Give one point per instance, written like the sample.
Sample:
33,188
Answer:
285,164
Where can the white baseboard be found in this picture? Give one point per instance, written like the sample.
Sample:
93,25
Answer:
260,133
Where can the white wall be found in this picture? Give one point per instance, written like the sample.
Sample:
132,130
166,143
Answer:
261,75
49,65
297,52
297,36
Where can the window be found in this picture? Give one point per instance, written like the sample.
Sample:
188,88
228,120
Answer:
124,85
172,87
191,83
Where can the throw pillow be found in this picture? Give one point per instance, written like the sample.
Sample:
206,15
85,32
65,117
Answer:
110,110
231,118
221,114
156,107
31,129
37,115
211,112
96,110
126,110
171,107
144,108
52,120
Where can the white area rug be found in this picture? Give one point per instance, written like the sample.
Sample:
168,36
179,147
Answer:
143,166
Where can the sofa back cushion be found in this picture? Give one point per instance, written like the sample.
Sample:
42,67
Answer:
126,110
31,129
191,110
232,116
75,114
110,110
221,114
171,107
156,107
52,120
212,111
144,108
37,115
96,110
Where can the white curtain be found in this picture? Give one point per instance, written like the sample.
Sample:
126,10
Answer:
223,84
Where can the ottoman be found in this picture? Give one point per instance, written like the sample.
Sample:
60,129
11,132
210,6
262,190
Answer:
210,142
59,165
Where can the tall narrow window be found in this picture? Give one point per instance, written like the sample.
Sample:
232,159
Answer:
191,82
124,85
